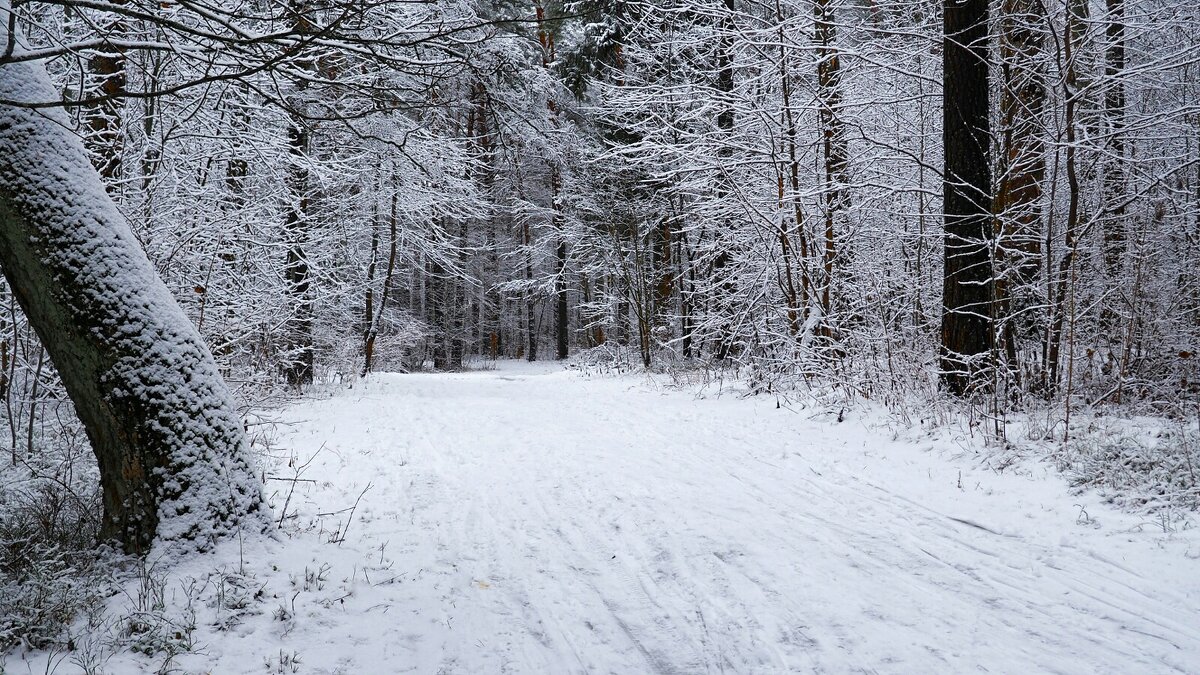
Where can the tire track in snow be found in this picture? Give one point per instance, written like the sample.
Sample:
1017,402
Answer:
745,540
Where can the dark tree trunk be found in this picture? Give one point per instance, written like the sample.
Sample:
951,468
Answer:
561,311
967,282
622,319
1062,284
374,319
835,149
725,120
458,296
1114,108
687,282
238,167
664,272
172,452
1023,146
299,369
436,302
106,67
725,68
1018,203
491,309
530,322
369,304
797,299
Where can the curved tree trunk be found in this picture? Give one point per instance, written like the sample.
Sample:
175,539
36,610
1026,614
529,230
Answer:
170,445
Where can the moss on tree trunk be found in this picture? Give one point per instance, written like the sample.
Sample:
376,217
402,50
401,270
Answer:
171,448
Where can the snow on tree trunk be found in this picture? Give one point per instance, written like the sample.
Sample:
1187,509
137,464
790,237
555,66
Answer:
172,451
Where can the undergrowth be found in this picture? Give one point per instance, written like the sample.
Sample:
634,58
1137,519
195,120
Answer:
1146,465
51,570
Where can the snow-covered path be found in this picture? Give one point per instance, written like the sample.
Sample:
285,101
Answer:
533,520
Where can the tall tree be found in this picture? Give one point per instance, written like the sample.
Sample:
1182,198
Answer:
106,69
725,122
834,146
1063,299
967,198
1022,160
561,308
1114,109
301,360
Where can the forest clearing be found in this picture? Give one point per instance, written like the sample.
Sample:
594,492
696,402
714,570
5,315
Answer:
599,336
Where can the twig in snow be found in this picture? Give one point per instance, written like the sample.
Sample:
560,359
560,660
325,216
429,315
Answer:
350,518
295,479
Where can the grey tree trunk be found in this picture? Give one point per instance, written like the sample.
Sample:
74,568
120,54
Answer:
171,448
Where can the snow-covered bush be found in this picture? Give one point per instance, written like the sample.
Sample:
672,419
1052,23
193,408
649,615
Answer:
51,571
1144,465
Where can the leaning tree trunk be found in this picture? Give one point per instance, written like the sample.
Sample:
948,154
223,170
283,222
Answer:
171,448
967,281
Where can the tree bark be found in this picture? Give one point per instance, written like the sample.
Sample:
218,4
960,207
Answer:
967,202
1063,286
172,452
725,121
1022,143
1114,109
106,68
687,282
664,271
561,308
374,319
530,322
1022,105
797,299
300,367
835,148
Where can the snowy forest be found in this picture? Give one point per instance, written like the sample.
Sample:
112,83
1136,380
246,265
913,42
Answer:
900,282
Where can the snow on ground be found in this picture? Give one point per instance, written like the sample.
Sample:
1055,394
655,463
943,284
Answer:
534,520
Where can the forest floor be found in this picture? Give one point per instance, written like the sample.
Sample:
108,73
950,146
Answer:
532,519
